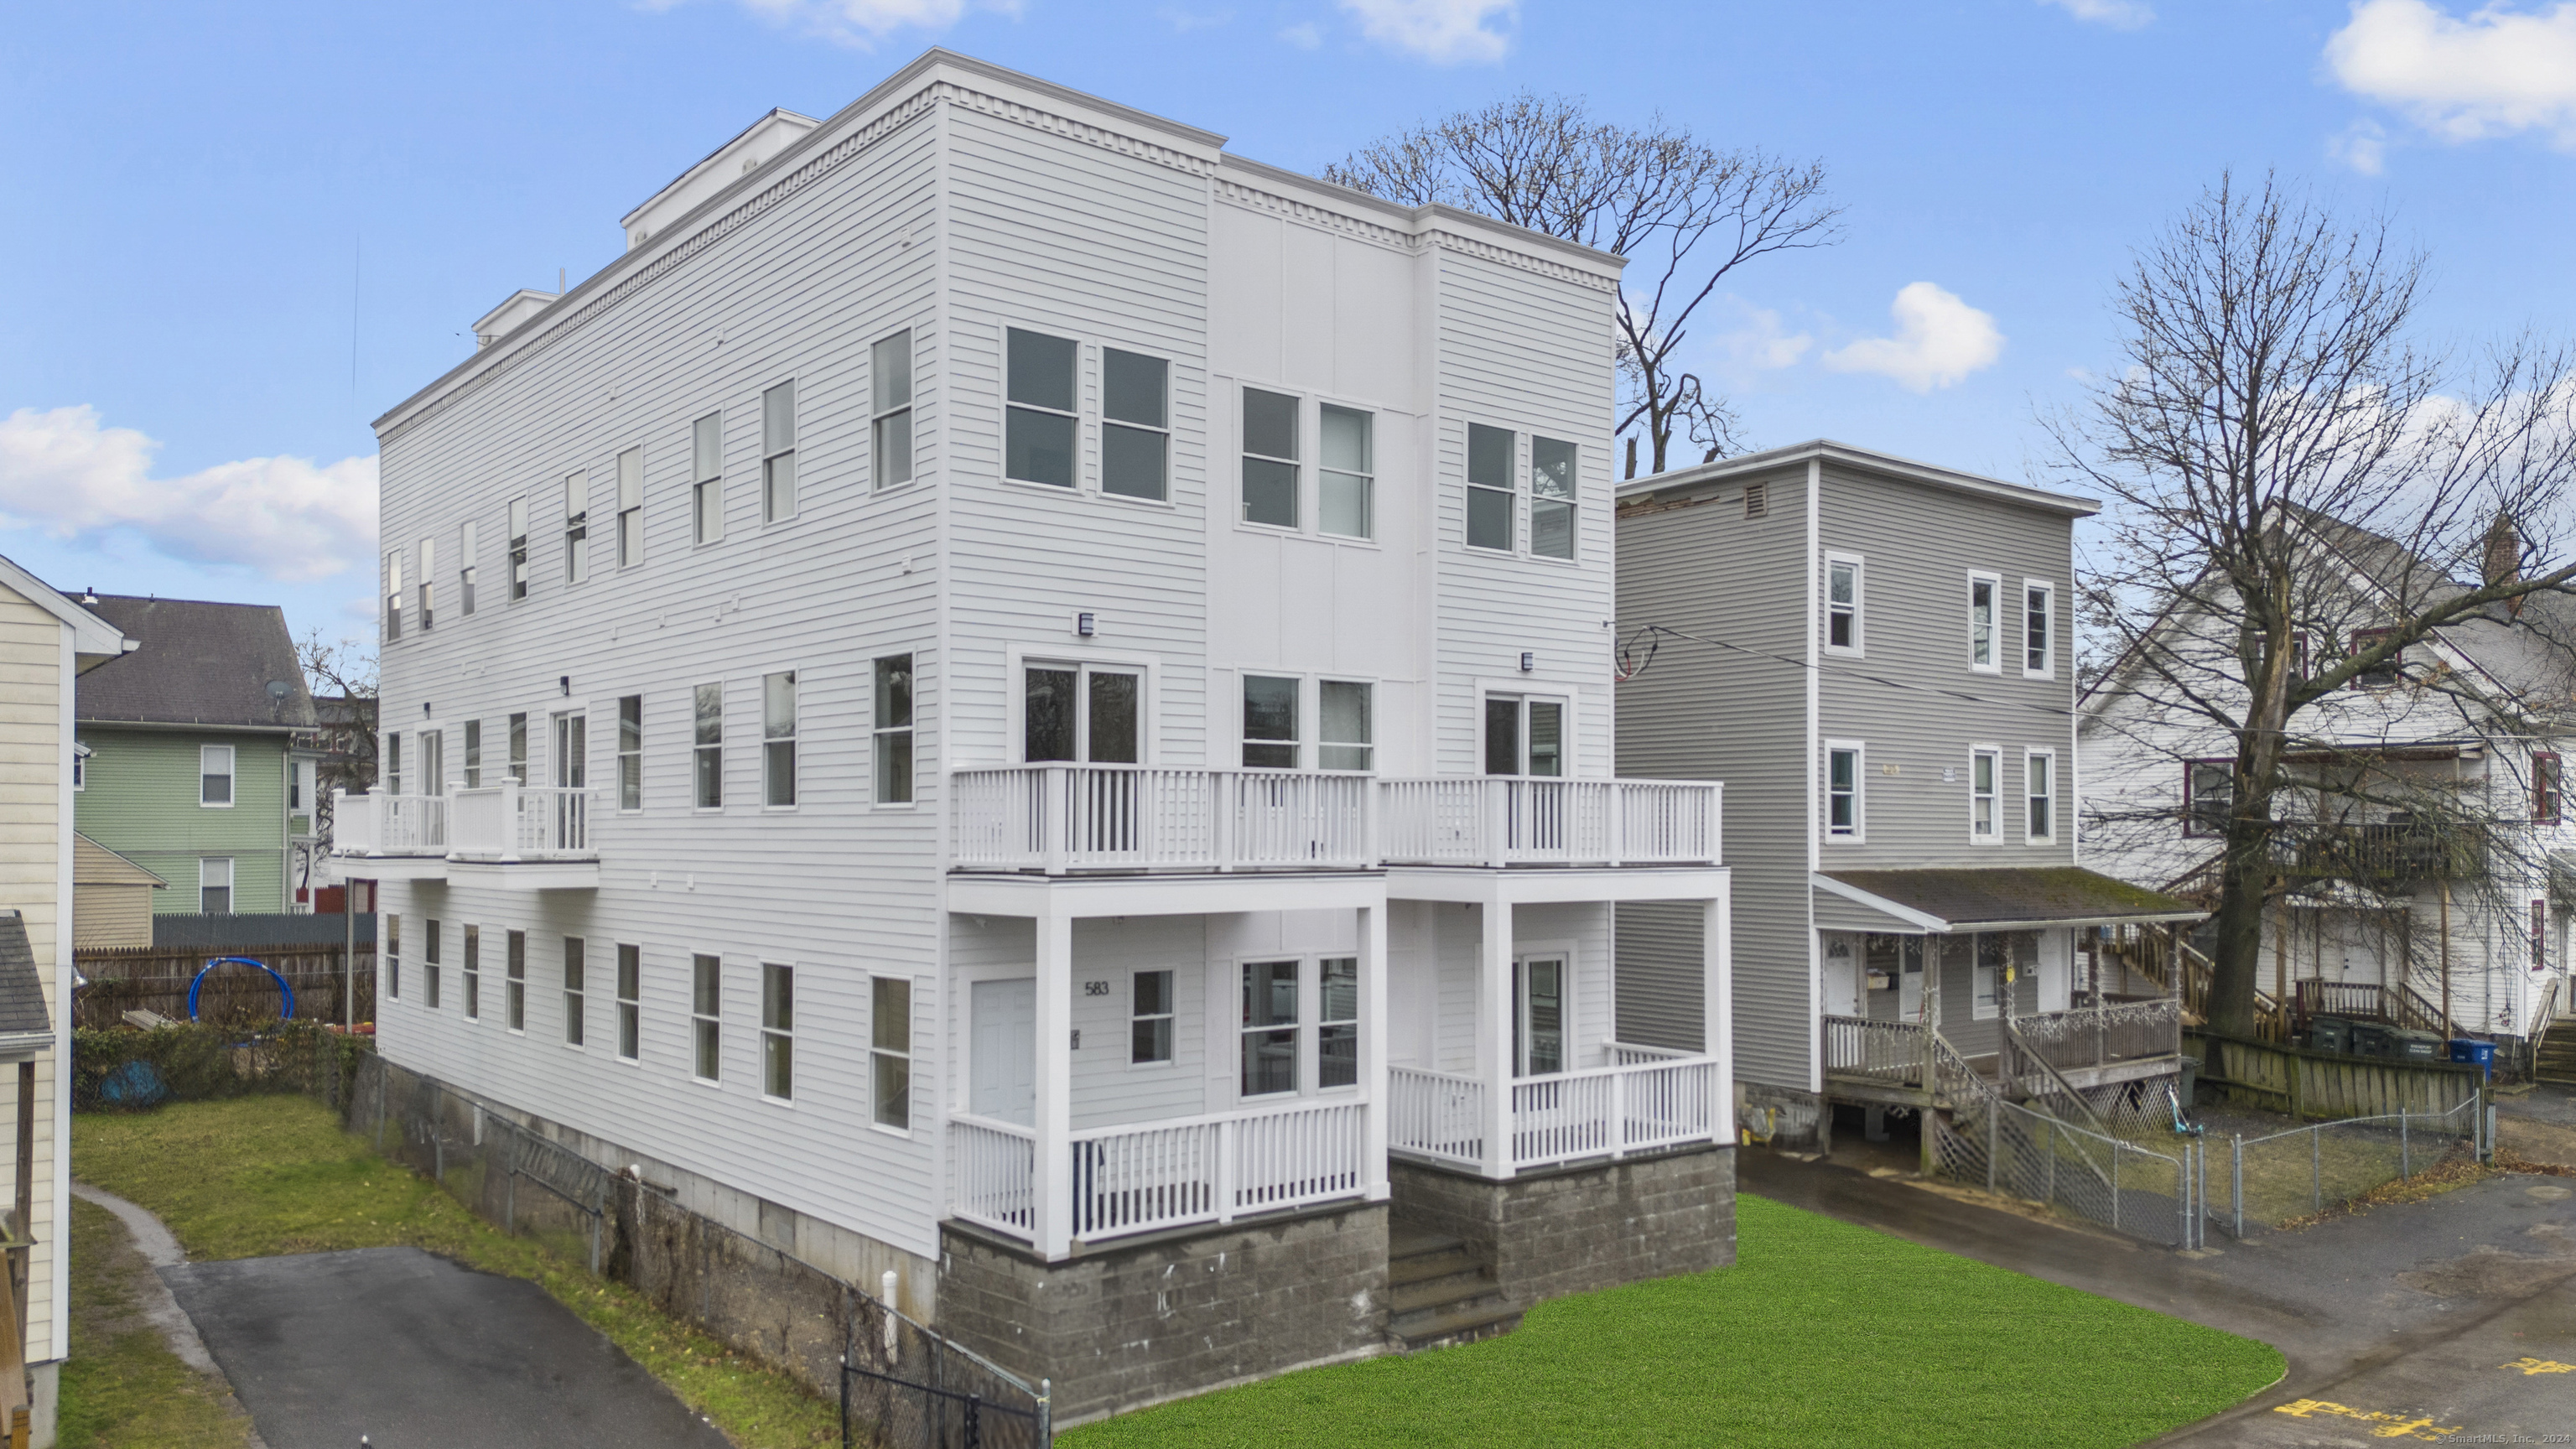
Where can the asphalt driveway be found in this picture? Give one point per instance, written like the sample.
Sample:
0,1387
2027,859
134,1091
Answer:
414,1351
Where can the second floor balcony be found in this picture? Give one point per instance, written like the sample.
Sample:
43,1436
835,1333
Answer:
1058,819
415,837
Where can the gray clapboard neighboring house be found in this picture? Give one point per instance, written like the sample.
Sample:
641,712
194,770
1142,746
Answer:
1015,699
1872,654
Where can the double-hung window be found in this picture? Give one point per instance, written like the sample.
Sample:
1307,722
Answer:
778,453
630,1005
1493,486
706,478
433,761
215,885
1337,1022
890,432
1268,1041
215,774
778,1031
1039,423
1149,1018
890,1050
1987,976
1346,485
519,748
1983,590
393,596
1842,604
630,508
892,738
429,962
472,969
1524,736
576,527
518,549
706,752
2547,788
2039,786
1554,482
1086,712
1269,722
706,1017
1347,729
2038,630
630,752
1538,1022
1985,771
1135,423
2208,794
572,990
428,580
778,739
2387,672
393,762
465,567
392,951
514,979
1844,818
1269,458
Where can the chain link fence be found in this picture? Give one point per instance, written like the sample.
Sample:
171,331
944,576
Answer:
2009,1149
2284,1176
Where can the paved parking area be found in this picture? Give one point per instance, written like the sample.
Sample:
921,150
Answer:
414,1351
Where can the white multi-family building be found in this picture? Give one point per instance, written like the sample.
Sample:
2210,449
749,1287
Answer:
1014,698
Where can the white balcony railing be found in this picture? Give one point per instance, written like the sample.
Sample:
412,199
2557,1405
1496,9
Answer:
1147,1176
1638,1106
379,825
1058,818
507,822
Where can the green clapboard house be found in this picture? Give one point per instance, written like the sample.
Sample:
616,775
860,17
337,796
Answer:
188,739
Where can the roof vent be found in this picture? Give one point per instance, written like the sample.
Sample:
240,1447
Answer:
1757,500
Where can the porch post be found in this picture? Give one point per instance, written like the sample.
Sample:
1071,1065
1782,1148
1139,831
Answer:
1373,1083
1053,1180
1717,1004
1494,1031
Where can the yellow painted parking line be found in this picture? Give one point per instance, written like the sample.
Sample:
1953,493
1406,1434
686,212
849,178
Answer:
2391,1426
2530,1366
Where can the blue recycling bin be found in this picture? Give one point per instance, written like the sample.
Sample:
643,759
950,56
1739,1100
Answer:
2472,1052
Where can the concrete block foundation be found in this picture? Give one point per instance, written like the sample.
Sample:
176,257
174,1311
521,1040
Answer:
1574,1229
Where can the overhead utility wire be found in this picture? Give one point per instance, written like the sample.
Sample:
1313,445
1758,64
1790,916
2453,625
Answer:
1657,633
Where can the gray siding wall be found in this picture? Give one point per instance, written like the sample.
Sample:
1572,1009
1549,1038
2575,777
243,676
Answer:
1707,713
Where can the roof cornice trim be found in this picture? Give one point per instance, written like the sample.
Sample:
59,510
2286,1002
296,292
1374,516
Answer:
1866,459
1412,237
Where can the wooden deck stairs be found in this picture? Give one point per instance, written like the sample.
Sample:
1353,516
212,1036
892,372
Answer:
2554,1055
1438,1293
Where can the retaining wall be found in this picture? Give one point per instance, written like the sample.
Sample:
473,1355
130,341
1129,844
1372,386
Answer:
1575,1229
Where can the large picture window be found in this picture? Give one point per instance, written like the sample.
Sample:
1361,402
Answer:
1524,736
1135,423
1269,458
1084,712
1038,423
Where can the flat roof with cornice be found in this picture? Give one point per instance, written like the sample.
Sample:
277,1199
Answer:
1870,460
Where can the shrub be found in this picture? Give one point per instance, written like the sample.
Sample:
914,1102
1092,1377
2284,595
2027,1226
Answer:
118,1069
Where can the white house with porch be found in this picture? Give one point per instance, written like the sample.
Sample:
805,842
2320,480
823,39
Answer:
1014,698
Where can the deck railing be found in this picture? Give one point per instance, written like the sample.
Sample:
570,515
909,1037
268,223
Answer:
1061,817
515,822
1893,1052
1598,1112
1435,1114
995,1164
2100,1036
379,824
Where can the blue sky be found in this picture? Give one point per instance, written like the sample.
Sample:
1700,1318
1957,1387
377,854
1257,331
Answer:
243,231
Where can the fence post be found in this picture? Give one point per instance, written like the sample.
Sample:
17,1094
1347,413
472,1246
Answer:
2052,1161
2316,1168
1994,1116
2405,1147
382,1069
845,1401
2236,1186
2118,1148
1046,1413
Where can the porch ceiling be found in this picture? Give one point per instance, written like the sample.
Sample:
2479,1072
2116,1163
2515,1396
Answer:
1988,899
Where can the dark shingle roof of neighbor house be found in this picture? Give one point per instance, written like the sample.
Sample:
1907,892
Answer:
2014,895
22,991
199,664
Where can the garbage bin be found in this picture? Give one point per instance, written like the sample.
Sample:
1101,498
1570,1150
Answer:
2330,1034
2415,1046
2370,1039
2473,1052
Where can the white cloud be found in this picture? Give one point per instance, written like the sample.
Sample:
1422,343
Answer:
859,23
2493,73
63,474
2363,146
1762,343
1305,35
1445,32
1939,340
2118,14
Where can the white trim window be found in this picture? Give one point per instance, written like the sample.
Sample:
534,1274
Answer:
465,568
1135,424
215,885
1267,1034
1493,487
1985,805
706,749
433,760
215,776
393,762
630,752
1149,1018
890,1051
891,740
778,453
574,991
777,1032
630,508
1346,483
1555,481
1539,1002
392,953
518,527
393,595
778,740
706,478
630,1002
1270,733
890,396
80,766
576,527
519,748
1346,725
1525,736
706,1017
471,971
514,979
1090,713
1986,979
1039,424
1846,799
1270,459
429,962
2038,629
428,579
1985,594
1843,604
2039,789
1337,1022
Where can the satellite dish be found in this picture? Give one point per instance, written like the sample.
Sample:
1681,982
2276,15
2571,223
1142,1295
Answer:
277,689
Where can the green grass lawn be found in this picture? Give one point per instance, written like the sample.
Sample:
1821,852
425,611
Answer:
1823,1333
122,1384
258,1176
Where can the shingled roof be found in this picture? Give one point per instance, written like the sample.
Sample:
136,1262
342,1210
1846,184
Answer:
22,991
199,663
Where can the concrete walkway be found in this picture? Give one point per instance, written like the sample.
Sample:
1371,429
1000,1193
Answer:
159,1249
2454,1314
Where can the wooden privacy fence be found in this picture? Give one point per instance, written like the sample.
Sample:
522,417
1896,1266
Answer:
155,978
2306,1083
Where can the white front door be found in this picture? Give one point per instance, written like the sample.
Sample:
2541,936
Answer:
1004,1054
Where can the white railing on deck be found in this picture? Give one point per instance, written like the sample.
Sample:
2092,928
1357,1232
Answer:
515,822
1659,1100
1435,1114
1630,1054
353,823
1063,817
995,1164
379,824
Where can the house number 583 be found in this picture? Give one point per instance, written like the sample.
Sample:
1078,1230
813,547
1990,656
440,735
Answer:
1095,988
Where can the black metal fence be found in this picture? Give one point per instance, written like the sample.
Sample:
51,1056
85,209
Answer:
917,1413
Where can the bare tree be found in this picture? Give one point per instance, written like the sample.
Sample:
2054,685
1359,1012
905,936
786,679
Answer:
2299,493
342,679
1685,214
